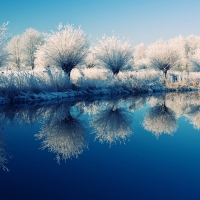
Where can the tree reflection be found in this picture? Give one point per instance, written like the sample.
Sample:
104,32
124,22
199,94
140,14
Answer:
63,135
194,116
112,125
15,114
3,155
160,119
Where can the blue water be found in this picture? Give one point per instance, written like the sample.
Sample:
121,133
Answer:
139,165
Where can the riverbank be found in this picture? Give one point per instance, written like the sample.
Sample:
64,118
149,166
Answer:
28,86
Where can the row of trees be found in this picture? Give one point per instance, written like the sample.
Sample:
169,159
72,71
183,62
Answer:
68,48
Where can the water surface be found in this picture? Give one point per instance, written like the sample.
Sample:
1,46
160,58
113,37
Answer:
139,147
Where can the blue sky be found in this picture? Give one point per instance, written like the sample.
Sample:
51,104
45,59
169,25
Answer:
139,20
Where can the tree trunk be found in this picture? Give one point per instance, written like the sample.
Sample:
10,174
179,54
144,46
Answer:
165,73
32,66
67,68
115,71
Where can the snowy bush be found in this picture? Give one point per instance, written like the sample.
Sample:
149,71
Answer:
66,48
113,54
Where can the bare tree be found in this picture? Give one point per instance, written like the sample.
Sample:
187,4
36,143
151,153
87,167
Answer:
31,40
113,53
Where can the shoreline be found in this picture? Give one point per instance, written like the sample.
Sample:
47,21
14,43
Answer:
71,94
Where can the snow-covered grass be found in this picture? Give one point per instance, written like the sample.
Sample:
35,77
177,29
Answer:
16,83
32,85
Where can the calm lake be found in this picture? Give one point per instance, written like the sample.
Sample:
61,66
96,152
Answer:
128,147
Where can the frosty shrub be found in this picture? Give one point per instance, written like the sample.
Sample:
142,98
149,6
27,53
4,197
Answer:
31,40
15,51
112,125
3,43
163,56
113,53
66,48
160,119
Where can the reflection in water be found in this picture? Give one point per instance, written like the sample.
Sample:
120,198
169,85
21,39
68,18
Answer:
112,125
3,155
14,115
194,115
62,134
160,119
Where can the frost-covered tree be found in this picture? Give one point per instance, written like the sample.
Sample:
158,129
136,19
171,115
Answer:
140,61
41,61
179,43
139,52
15,51
163,56
192,43
113,53
195,61
66,48
142,64
3,43
112,125
160,119
31,40
90,61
